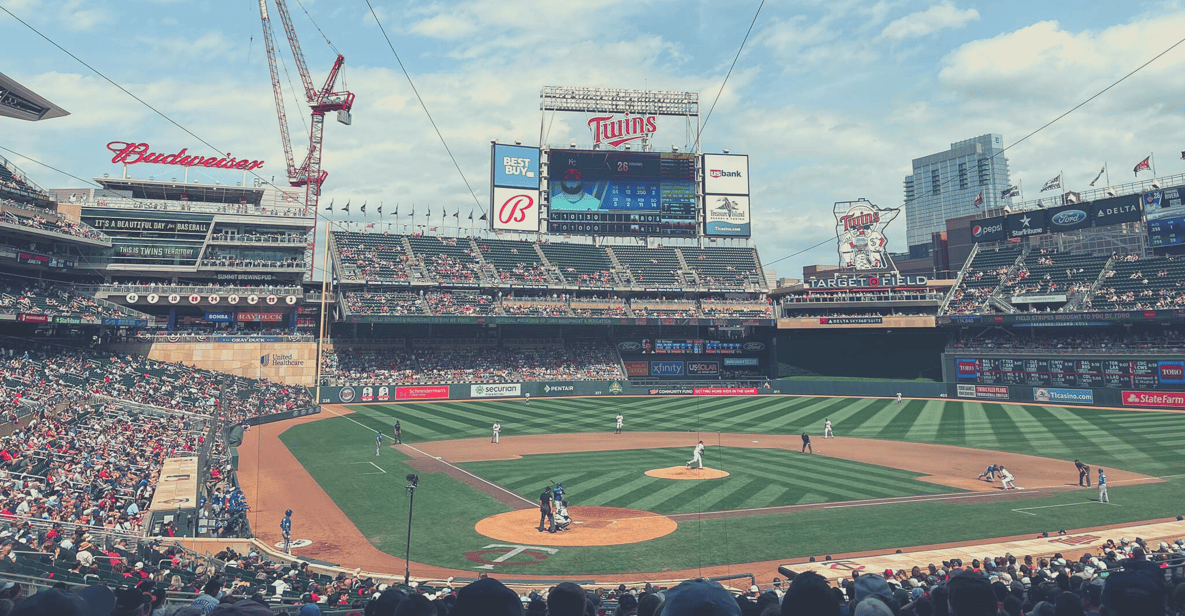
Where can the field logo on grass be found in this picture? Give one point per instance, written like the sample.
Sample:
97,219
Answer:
495,390
346,395
615,387
507,555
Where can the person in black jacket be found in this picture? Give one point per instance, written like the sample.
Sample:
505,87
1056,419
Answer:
1083,473
545,514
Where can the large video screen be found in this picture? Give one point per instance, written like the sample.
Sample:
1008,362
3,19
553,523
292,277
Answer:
1166,217
622,193
1125,372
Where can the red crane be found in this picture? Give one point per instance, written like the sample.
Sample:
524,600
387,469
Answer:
309,174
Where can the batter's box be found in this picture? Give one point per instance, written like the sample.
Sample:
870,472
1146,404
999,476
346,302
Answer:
1076,539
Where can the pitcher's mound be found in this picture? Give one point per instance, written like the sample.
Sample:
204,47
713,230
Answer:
682,472
590,526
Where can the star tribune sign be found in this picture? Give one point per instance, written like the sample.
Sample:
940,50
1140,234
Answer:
859,232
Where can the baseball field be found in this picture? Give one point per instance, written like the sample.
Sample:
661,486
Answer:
896,475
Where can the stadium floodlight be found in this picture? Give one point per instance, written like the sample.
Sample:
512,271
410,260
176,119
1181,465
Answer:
617,100
1155,184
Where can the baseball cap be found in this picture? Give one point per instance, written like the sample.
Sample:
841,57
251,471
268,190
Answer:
700,597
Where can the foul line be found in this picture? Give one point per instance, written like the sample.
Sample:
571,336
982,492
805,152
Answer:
908,499
1024,510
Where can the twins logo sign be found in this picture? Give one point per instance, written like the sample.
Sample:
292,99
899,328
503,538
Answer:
859,231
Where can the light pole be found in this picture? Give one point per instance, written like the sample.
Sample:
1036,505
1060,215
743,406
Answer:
413,481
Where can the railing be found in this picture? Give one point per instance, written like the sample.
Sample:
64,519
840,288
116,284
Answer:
190,206
186,290
1094,194
206,336
298,240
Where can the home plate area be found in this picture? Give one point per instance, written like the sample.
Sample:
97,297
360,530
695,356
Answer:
590,526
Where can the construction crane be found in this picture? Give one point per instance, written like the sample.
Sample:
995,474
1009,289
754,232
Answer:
309,174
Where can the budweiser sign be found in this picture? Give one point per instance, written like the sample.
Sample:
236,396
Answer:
616,132
127,153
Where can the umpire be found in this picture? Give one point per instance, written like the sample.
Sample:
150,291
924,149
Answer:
545,514
1083,473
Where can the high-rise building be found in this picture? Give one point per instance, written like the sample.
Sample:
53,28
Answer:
948,185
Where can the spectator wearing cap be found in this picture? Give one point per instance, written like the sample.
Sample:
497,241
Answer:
809,594
567,599
486,597
700,597
778,589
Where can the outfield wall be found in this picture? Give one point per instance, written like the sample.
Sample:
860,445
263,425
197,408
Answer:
273,358
543,389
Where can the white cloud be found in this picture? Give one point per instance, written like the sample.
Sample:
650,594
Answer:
944,16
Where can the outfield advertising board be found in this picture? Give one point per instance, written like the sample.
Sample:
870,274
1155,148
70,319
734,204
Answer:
992,392
1160,400
422,392
666,368
1068,396
495,390
724,391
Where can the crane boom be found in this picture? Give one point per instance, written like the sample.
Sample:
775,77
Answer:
270,45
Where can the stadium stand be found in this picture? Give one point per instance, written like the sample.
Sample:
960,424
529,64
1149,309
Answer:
1054,273
20,295
980,279
724,267
15,213
650,267
1132,283
516,261
581,264
447,259
371,256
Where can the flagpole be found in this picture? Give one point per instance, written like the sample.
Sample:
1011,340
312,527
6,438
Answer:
1107,171
1152,158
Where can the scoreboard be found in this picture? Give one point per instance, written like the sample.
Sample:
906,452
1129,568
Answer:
597,192
1121,373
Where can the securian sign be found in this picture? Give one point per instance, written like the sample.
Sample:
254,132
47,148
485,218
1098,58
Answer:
132,153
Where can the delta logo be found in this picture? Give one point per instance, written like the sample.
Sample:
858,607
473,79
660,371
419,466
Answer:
720,173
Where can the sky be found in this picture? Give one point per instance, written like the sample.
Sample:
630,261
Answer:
830,100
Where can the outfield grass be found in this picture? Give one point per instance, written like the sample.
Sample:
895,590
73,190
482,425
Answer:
1144,442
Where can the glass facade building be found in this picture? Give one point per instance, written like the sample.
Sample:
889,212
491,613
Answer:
945,185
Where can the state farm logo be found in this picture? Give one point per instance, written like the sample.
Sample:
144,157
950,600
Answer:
720,173
616,132
515,208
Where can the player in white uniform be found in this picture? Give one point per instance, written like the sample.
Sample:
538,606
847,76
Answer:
528,398
697,456
497,431
827,428
898,397
1007,479
620,422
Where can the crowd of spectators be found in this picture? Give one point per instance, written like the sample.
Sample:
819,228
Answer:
481,363
473,303
215,257
21,295
55,224
1121,579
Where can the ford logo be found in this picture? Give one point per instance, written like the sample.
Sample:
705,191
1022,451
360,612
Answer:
754,346
1068,217
630,346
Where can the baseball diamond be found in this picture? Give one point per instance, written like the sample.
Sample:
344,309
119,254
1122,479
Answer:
914,460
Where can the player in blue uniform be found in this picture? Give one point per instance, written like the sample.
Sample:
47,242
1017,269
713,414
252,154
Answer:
990,472
378,442
286,528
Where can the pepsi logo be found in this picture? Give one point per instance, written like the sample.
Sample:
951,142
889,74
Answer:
977,230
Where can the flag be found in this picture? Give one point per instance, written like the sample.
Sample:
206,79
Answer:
1052,184
380,210
429,215
1143,164
363,208
470,214
370,225
483,216
457,214
1011,191
330,208
413,212
346,207
1096,178
979,199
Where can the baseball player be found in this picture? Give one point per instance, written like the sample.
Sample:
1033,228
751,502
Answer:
286,529
620,423
806,443
378,442
497,431
827,428
1006,479
527,396
898,397
697,456
989,473
1083,473
1103,487
398,433
545,514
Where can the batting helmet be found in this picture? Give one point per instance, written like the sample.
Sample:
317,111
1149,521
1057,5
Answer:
289,512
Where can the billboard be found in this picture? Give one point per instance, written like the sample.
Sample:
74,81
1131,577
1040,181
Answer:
1024,224
515,166
727,216
621,193
1166,217
859,233
726,174
514,209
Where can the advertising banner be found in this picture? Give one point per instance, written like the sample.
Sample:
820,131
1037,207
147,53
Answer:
726,174
1171,372
1144,398
851,320
1024,224
637,368
987,229
516,166
670,391
709,368
1069,217
860,234
997,392
260,317
1116,210
724,391
966,391
968,369
741,361
218,317
422,392
666,368
559,389
515,209
32,318
727,216
495,390
1072,396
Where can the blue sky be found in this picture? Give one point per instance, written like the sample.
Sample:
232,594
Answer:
831,100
